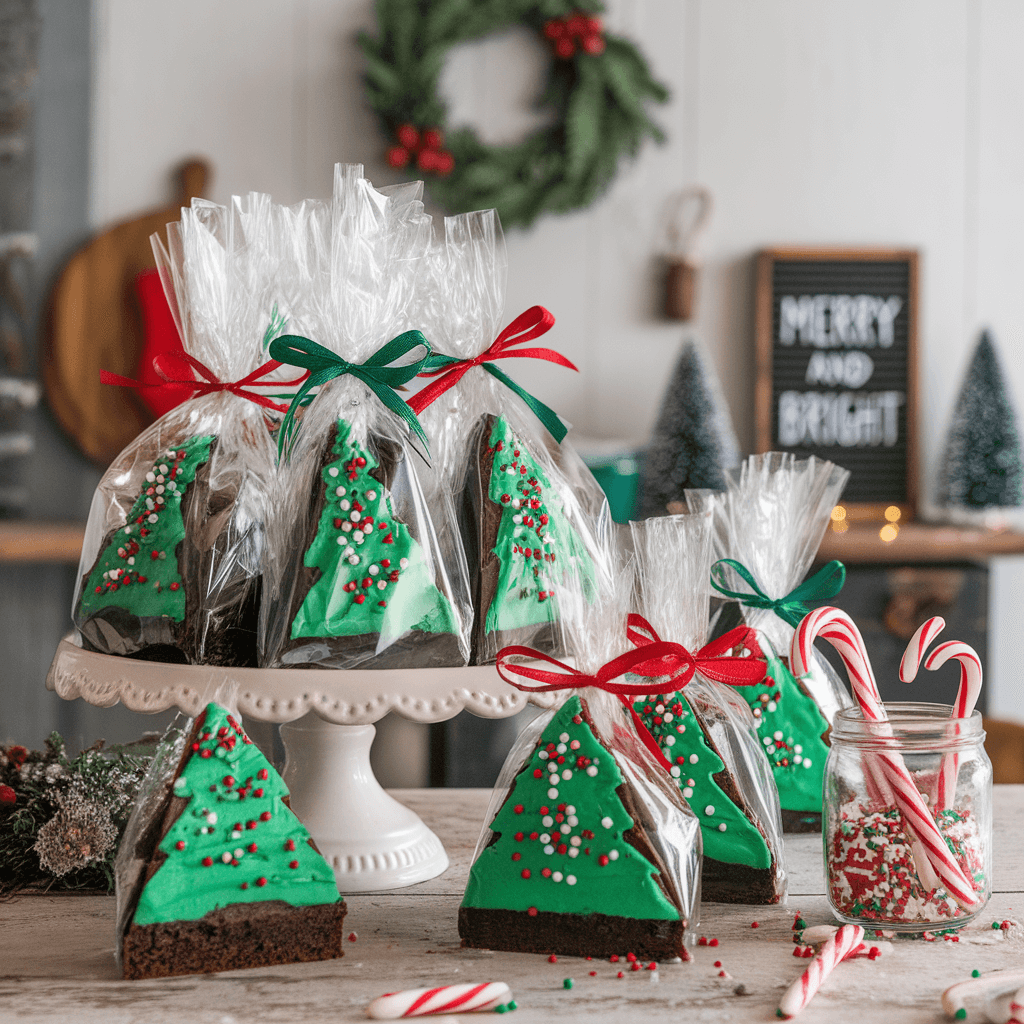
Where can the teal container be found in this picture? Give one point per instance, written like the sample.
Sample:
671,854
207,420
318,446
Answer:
619,477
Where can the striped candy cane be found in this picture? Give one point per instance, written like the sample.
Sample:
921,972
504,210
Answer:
932,858
995,981
966,697
418,1002
833,952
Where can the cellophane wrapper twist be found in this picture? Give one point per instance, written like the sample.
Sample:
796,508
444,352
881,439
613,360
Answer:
517,554
386,586
171,562
672,559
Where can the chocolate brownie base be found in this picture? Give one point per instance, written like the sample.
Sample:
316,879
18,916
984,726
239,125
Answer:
516,931
721,882
238,936
801,821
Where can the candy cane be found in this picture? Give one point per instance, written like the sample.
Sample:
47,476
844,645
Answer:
838,628
953,998
819,933
417,1002
966,697
1017,1008
833,952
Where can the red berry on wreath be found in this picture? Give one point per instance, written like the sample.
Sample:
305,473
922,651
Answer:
576,25
398,157
408,136
8,798
554,28
444,163
565,48
595,26
593,45
426,160
433,138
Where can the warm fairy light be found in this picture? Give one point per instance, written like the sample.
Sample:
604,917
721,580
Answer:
838,514
889,532
840,527
893,513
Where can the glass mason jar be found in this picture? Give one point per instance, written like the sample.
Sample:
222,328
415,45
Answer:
872,876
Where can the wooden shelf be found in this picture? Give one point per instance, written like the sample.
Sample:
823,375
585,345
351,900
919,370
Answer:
919,542
23,541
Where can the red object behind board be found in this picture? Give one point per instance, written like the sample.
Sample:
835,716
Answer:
159,336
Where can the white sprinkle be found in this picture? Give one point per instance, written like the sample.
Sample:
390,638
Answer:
549,849
573,851
128,529
591,771
687,791
570,879
710,809
670,741
342,540
766,740
151,477
796,757
226,857
544,837
357,535
556,876
552,793
553,779
659,708
371,495
346,527
516,503
566,774
607,822
564,829
570,809
165,469
563,738
382,584
348,551
572,819
807,762
236,834
212,818
239,853
674,771
160,489
403,562
777,736
374,569
575,841
668,717
517,520
344,505
152,518
355,516
772,705
798,749
353,559
547,821
131,561
613,854
560,748
160,479
721,827
543,755
333,471
694,759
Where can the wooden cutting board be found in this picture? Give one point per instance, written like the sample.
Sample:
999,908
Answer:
94,322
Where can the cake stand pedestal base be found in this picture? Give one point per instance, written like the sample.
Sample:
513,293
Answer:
371,840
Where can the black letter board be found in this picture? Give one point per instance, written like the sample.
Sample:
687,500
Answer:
836,367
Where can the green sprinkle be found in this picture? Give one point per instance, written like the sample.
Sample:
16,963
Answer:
801,923
780,1014
995,926
975,973
501,1008
512,1004
961,1014
567,983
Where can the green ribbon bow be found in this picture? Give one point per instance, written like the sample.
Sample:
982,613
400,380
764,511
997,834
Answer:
377,373
825,583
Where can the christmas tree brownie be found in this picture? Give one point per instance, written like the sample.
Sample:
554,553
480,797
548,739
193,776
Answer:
739,865
137,597
232,879
521,540
364,578
571,867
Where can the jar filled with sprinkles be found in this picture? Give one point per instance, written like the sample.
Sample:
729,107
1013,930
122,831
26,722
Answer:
884,864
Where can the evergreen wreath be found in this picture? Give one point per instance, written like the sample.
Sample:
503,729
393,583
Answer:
598,88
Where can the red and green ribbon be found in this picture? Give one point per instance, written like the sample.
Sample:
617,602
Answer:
824,584
381,373
527,326
672,664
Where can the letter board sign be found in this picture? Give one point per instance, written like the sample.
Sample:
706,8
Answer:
836,367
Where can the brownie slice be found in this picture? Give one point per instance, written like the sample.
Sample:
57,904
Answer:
414,647
228,877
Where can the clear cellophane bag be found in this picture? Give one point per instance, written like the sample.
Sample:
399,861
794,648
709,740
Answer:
171,563
745,861
362,570
667,833
556,510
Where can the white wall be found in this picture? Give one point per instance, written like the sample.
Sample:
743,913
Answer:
880,122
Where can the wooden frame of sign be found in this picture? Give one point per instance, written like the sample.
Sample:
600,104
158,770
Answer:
836,333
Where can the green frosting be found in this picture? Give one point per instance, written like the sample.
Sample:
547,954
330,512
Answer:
373,576
236,841
532,534
559,843
138,569
790,726
728,833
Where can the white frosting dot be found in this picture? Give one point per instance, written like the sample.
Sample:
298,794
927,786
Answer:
687,791
355,516
357,535
721,827
374,569
211,818
560,748
403,562
547,821
342,540
239,853
347,527
543,755
353,559
694,759
382,584
591,771
549,849
570,879
572,819
807,762
333,471
556,876
570,809
574,851
151,477
613,854
668,717
346,504
670,741
607,822
710,809
777,735
544,837
226,857
564,829
575,841
552,793
674,771
566,774
371,495
563,738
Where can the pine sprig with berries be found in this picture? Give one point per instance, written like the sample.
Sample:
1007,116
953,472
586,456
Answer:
597,92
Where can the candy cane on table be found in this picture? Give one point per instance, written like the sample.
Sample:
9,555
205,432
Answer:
995,981
839,629
1017,1008
966,696
418,1002
834,950
819,933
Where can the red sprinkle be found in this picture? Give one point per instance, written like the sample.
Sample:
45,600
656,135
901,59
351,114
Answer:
262,773
652,966
261,881
293,864
718,963
552,959
525,872
289,844
702,941
253,847
593,974
712,942
180,844
266,816
754,924
620,975
613,959
532,911
634,967
207,862
352,936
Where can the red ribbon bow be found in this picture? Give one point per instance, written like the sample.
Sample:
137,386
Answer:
163,364
713,659
656,658
527,326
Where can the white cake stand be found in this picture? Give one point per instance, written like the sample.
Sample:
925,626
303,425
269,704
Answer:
372,841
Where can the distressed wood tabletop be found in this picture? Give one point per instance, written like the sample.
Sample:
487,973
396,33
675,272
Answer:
57,959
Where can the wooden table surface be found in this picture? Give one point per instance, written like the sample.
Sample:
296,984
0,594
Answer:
57,962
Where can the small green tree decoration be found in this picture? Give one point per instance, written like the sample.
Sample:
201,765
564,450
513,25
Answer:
982,467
